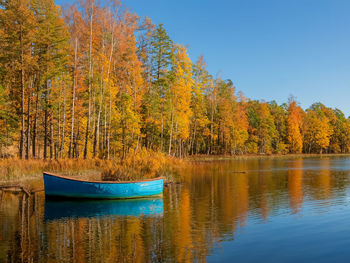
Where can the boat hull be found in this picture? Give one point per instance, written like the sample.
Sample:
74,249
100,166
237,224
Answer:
60,186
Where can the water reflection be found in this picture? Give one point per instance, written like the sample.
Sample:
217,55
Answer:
57,209
212,205
295,186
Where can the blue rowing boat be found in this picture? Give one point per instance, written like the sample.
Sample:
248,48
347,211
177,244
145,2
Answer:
67,187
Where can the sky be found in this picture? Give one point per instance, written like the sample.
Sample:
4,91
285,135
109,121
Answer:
270,49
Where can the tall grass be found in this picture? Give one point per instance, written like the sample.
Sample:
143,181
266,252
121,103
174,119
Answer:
143,164
136,165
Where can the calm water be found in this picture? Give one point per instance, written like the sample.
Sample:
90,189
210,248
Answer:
281,210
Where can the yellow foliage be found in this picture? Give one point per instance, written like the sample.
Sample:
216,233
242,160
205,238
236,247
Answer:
294,137
181,92
317,131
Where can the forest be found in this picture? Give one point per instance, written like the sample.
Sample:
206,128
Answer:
94,80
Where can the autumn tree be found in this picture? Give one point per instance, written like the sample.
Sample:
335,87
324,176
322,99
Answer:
75,23
199,121
225,109
240,133
317,129
279,114
212,103
130,89
161,57
8,123
101,82
294,125
16,57
340,139
51,50
179,98
262,129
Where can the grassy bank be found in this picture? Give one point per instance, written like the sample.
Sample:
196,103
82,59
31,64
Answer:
143,164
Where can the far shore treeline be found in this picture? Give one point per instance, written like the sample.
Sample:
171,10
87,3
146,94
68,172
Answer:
95,80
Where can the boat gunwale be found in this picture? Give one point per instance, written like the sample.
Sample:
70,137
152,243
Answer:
103,182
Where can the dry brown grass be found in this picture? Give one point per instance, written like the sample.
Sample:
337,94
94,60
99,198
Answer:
16,168
143,164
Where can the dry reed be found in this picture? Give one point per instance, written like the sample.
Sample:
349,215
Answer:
136,165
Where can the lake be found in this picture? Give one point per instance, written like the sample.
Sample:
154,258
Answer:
279,210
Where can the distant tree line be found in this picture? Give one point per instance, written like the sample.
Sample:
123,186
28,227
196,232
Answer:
98,81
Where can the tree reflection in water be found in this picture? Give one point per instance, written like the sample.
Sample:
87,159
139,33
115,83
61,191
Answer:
211,205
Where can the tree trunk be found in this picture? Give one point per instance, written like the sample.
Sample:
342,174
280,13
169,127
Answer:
21,145
35,124
89,83
105,132
64,121
171,131
109,127
28,122
45,125
123,138
58,126
180,148
162,129
194,137
77,138
73,96
51,139
97,126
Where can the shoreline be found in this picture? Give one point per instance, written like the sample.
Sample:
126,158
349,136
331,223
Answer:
142,165
262,156
17,170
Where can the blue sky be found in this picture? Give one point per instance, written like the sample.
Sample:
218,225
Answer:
270,49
